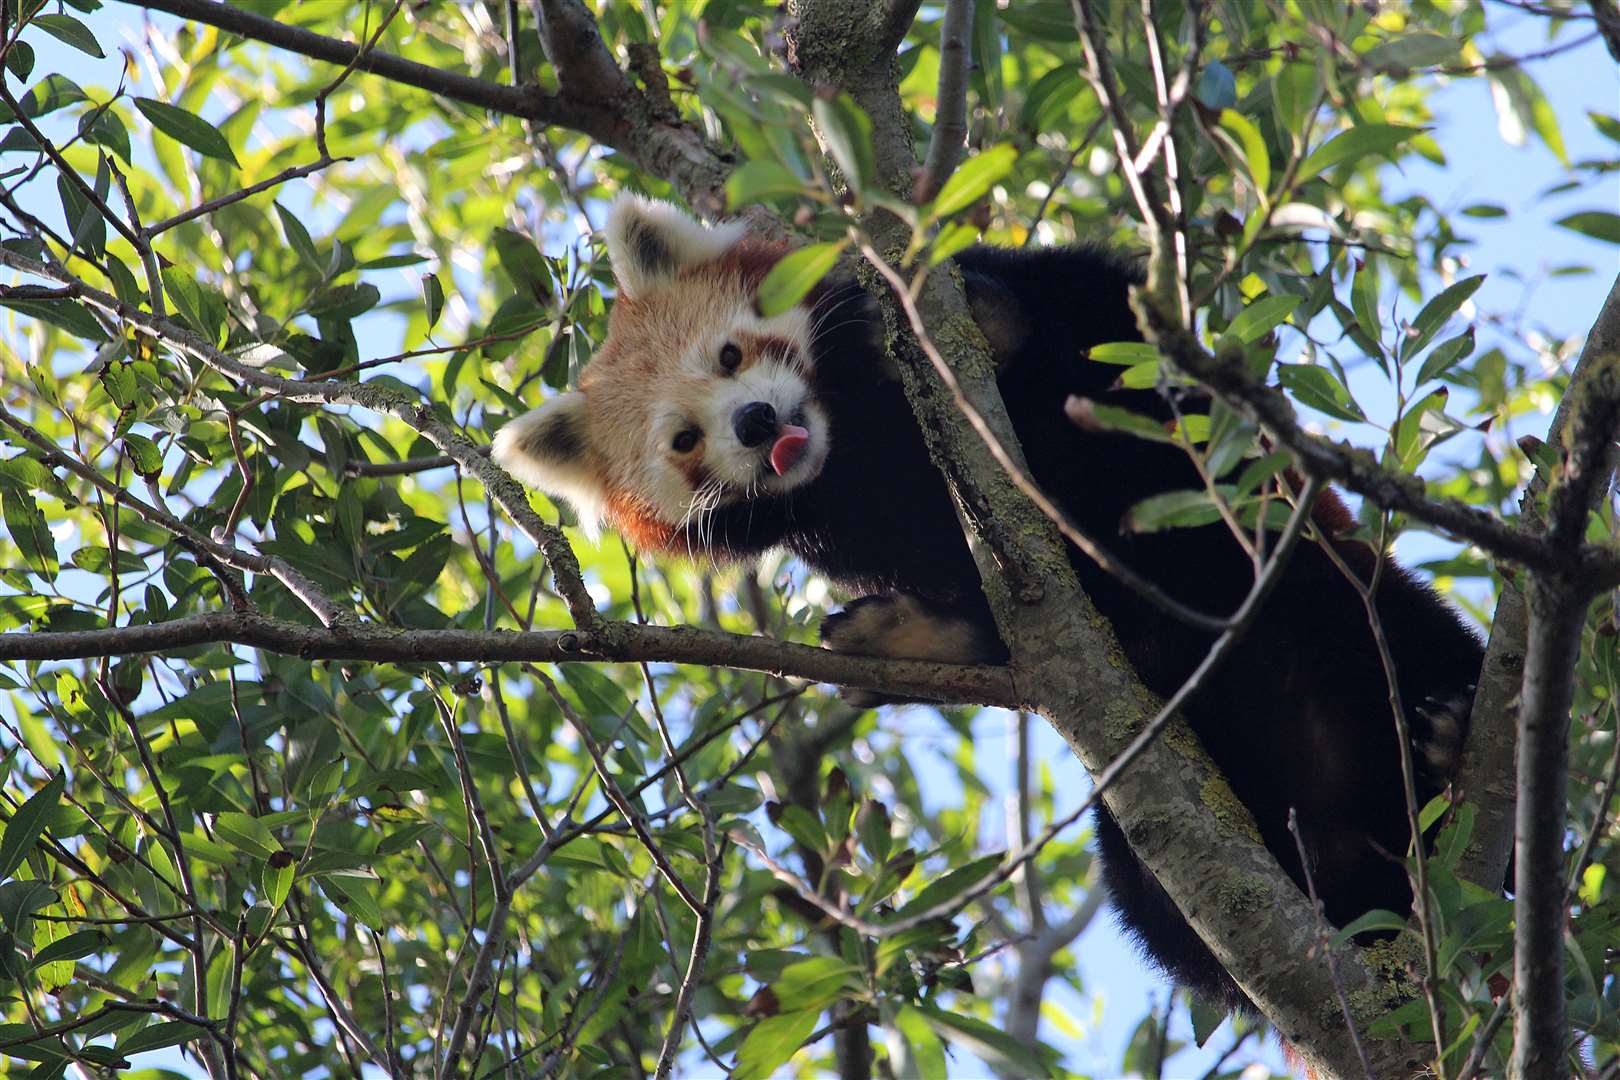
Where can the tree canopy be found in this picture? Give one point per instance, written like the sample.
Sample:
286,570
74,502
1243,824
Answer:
329,751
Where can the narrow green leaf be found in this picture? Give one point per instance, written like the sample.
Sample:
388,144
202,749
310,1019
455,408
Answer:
27,529
276,878
70,31
1432,319
795,275
65,314
927,1050
1364,302
187,128
973,178
432,298
1171,510
758,180
1598,224
996,1048
1127,353
1446,355
1256,158
523,263
848,133
297,235
27,823
1257,320
772,1042
1373,920
246,833
949,886
73,947
1355,144
1414,50
157,1036
1320,389
144,455
814,983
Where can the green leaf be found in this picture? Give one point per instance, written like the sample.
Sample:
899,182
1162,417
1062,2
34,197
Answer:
186,128
1598,224
157,1036
1127,353
297,235
996,1048
144,455
1373,920
973,178
927,1050
1320,389
1521,106
51,93
1364,302
794,275
848,134
73,947
1095,416
755,181
246,833
1414,50
1355,144
276,878
814,983
23,830
1171,510
1446,355
356,899
772,1042
523,263
1256,158
951,885
1257,320
27,529
432,298
70,31
1432,319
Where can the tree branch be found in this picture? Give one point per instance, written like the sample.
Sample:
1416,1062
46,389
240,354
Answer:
609,642
1486,779
950,102
1558,604
527,102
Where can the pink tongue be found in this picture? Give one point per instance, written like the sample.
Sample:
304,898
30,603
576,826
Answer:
789,448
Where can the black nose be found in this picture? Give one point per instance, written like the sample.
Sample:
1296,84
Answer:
754,423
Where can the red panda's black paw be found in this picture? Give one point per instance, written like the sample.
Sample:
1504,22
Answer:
902,627
1437,751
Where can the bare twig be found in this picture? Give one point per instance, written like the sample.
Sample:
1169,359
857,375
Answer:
1324,942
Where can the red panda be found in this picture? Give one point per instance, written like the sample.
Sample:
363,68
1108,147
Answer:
702,427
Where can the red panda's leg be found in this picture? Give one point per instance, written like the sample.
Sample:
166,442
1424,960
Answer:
904,627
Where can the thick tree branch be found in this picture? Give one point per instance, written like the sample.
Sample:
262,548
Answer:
1558,604
1263,929
950,102
610,642
607,109
1486,779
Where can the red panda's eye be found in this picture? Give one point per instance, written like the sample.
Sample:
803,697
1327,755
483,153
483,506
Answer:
730,357
686,440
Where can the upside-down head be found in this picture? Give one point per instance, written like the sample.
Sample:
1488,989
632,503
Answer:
694,401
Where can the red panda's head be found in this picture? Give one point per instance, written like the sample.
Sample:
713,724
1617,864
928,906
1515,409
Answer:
693,402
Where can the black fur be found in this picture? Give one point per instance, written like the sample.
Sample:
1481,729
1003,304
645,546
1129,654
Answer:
1297,717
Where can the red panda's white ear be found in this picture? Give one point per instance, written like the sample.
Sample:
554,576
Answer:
549,449
649,242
